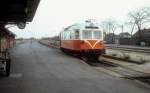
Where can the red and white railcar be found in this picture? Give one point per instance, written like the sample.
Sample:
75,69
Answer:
84,39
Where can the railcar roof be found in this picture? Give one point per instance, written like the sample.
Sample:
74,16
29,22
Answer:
80,26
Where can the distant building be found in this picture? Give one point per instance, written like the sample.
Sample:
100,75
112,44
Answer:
145,33
125,39
111,38
124,35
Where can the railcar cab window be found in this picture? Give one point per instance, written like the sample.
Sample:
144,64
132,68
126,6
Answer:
87,34
91,34
96,34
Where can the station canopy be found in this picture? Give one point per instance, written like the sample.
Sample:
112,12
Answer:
14,11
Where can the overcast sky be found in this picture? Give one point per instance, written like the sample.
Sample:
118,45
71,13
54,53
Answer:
53,15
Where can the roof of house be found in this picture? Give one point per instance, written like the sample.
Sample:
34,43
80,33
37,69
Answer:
124,33
110,35
144,33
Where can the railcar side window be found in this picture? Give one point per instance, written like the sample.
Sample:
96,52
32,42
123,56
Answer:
87,35
96,35
67,35
64,37
77,34
72,35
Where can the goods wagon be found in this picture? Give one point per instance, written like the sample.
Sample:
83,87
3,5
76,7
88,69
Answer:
7,40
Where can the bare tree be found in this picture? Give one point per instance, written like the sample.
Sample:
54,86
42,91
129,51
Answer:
110,26
138,18
132,28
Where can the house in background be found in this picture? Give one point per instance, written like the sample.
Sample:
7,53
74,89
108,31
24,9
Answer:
139,38
122,38
142,36
111,38
125,39
124,35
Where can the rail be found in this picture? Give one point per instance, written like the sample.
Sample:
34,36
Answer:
129,48
121,69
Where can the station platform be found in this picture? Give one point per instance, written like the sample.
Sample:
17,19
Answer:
39,69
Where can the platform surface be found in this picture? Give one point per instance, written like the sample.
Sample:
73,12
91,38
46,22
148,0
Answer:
38,69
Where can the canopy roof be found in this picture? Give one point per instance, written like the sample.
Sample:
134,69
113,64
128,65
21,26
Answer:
5,32
13,11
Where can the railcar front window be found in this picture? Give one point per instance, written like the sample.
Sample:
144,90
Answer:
87,35
96,35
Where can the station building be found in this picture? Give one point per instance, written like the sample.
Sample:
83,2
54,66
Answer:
7,39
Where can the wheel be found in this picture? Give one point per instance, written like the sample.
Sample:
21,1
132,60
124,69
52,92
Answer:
94,58
8,67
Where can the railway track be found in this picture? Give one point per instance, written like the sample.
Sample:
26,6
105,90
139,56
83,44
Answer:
133,49
119,69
